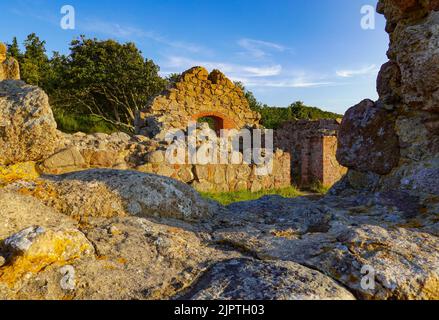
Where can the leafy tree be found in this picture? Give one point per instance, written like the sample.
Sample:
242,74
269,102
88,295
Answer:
106,79
34,63
300,111
273,117
252,101
173,77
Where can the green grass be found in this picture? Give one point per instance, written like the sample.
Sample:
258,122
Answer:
318,187
227,198
71,123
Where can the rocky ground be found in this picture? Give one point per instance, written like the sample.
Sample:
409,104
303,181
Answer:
121,234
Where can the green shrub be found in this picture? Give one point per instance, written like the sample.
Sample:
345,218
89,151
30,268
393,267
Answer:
70,123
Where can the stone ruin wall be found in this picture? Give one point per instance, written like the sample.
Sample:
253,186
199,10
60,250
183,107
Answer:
312,146
196,94
201,94
120,151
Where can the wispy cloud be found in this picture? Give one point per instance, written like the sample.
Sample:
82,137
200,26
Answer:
130,33
368,70
259,48
261,76
292,82
233,70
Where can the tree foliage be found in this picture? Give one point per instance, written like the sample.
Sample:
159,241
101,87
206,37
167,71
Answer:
106,79
273,117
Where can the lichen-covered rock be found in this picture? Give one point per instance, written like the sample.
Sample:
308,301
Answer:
27,126
108,193
18,211
18,171
405,156
133,259
344,238
367,139
246,279
9,67
35,248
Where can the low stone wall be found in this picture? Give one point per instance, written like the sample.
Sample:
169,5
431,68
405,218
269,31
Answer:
120,151
226,178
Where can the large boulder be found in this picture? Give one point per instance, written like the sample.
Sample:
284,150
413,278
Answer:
9,67
109,193
397,137
367,139
27,126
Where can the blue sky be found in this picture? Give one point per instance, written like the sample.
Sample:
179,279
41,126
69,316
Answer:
283,50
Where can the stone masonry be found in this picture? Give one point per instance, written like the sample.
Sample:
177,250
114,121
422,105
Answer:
312,146
195,95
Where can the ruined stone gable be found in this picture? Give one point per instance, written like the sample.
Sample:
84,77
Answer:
195,95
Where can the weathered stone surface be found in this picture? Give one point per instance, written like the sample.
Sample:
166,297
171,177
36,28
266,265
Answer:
9,68
130,258
18,211
108,193
35,248
19,171
27,127
367,139
63,161
340,237
408,100
195,95
245,279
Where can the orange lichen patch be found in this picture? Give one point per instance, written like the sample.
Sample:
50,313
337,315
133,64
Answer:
430,290
49,249
288,234
39,190
21,171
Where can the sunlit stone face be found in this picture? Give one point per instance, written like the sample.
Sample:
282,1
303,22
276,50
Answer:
2,52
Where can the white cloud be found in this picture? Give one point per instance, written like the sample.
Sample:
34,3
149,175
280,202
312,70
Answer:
128,32
289,83
369,70
260,77
234,71
259,48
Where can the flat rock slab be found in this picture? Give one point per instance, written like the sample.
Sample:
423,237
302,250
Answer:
247,279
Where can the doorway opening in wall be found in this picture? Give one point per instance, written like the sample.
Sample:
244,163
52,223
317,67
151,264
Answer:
215,120
215,123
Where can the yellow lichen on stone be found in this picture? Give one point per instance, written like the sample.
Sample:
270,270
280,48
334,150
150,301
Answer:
20,171
51,248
